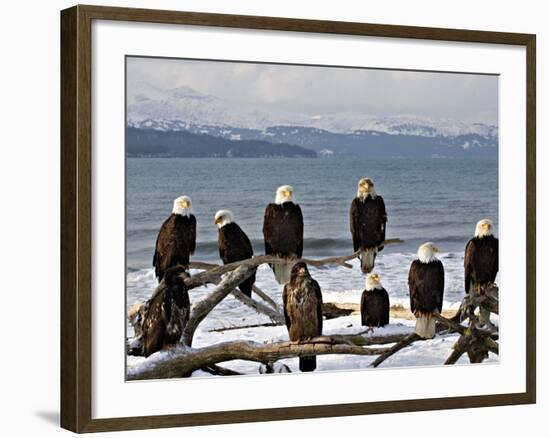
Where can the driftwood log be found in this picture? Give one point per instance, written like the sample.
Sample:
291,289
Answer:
181,361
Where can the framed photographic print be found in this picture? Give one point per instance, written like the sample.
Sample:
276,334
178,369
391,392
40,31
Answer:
304,218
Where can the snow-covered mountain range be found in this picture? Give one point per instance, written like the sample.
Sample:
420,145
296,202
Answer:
182,108
185,109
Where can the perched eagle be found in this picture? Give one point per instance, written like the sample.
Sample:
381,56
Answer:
375,303
481,262
303,309
283,232
234,245
176,239
167,313
367,220
481,257
426,285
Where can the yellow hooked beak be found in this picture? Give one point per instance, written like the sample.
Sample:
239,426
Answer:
376,278
184,204
217,220
485,226
435,249
287,194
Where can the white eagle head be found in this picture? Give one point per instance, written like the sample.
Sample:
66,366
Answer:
484,228
223,217
365,187
182,206
373,282
284,194
426,252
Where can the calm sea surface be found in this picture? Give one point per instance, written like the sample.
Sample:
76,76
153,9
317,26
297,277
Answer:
438,200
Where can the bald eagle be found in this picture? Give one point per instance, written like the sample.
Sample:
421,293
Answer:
375,303
283,232
167,313
367,219
481,262
176,239
426,286
234,245
303,309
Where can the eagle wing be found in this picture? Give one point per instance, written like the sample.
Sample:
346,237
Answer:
386,303
468,261
299,231
439,288
162,247
268,227
319,296
154,325
192,234
412,285
353,224
285,301
382,209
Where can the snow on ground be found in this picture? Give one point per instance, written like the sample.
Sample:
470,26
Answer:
421,353
231,313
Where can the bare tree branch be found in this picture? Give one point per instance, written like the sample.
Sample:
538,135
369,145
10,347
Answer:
217,370
182,362
405,342
215,271
201,309
265,297
273,314
241,327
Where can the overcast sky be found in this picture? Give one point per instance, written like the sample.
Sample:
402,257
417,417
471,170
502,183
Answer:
324,90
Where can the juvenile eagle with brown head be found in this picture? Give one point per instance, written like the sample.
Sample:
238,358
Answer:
167,313
303,309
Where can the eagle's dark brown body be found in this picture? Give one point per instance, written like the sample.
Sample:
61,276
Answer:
375,308
167,313
283,236
303,309
480,261
176,242
426,286
367,219
234,245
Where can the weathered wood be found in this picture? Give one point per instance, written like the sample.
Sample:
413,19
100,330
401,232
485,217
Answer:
214,271
217,370
241,327
274,314
332,310
403,343
183,362
200,310
265,297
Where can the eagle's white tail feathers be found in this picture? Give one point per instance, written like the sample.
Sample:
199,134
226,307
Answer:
282,271
425,326
367,260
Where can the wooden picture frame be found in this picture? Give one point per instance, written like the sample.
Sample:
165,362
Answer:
76,218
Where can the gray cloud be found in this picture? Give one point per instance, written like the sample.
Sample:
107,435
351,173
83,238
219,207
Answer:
323,90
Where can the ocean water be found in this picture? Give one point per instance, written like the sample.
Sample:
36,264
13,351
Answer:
437,200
